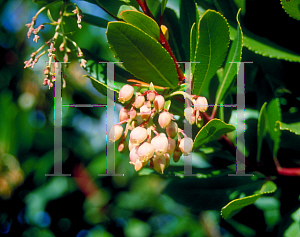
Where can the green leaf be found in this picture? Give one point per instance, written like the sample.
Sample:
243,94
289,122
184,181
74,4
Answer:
273,115
265,47
163,6
100,86
211,49
115,7
292,127
167,105
95,20
142,55
291,8
261,129
186,21
193,43
213,130
210,189
143,22
230,71
236,205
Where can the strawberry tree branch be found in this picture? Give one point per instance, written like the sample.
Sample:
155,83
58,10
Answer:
286,171
163,41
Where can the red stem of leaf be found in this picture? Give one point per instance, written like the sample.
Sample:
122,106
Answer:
286,171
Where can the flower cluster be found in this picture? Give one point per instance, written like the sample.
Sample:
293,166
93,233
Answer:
146,144
49,46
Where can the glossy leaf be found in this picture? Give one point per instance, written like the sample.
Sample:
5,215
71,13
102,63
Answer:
261,129
291,8
265,47
210,189
100,86
95,20
273,115
211,49
187,19
163,6
213,130
230,70
143,22
236,205
141,55
115,7
292,127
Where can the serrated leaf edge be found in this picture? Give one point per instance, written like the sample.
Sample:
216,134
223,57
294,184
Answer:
115,54
198,37
215,119
251,196
287,129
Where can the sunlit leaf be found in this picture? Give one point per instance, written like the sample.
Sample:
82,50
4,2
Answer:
141,54
211,49
291,8
236,205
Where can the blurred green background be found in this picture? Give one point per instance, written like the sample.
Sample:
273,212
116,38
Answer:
132,205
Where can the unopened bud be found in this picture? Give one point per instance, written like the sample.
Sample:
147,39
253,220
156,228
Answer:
164,119
145,151
115,133
159,102
186,145
201,104
133,155
130,146
145,112
160,144
46,71
159,163
167,157
148,104
123,115
189,115
122,146
151,96
132,113
139,101
126,93
176,155
138,135
171,146
172,129
138,165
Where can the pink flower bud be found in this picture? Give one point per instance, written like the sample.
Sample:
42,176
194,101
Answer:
148,104
125,93
171,146
186,145
145,112
201,104
130,146
133,155
123,115
115,133
167,157
176,155
138,135
159,163
172,129
139,101
145,151
151,96
132,113
164,119
189,115
160,144
159,102
122,146
138,165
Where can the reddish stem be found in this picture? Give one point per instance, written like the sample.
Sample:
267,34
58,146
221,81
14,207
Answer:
286,171
166,45
140,2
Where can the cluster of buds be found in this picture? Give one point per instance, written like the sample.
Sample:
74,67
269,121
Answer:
78,13
50,44
146,144
193,115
